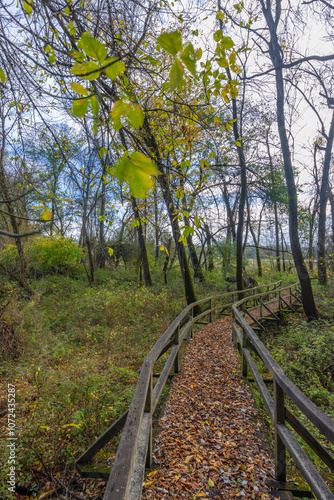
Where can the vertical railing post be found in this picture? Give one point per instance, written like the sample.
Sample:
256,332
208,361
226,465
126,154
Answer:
279,301
148,409
261,306
244,344
210,315
192,324
234,335
279,418
176,342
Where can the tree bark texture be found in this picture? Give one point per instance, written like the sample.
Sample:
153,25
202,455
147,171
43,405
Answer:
275,52
322,273
142,245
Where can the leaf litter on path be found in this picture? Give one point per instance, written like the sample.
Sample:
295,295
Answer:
208,445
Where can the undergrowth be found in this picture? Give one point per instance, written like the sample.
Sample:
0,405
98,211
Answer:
305,352
81,350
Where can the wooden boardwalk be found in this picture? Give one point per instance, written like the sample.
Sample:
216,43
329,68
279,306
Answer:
210,443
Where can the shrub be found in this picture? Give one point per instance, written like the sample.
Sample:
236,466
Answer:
53,255
9,257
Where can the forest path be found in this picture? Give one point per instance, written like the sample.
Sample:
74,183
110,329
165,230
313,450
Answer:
210,443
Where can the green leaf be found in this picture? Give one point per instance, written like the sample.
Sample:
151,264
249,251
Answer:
92,47
135,223
80,89
176,74
227,42
89,70
119,110
137,169
171,42
68,200
188,230
223,62
220,15
199,53
110,251
136,115
218,35
28,7
131,111
102,152
95,127
2,76
115,69
188,57
95,105
197,222
79,107
78,56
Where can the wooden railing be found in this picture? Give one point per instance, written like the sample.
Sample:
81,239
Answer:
248,343
134,451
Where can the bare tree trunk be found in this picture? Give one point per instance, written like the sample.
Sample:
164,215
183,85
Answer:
331,201
101,255
209,245
282,246
142,245
90,260
156,224
162,179
256,243
322,274
275,52
167,258
230,214
10,207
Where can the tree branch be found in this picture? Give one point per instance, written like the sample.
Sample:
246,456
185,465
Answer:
20,235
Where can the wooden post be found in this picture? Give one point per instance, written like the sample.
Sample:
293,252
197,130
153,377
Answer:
279,418
148,409
261,302
210,315
176,342
233,323
279,301
244,361
192,324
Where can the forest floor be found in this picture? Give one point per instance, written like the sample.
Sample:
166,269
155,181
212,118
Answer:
211,441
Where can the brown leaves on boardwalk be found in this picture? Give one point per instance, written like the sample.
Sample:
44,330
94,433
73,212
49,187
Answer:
209,445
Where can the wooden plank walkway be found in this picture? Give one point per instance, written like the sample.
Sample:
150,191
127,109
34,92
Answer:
210,443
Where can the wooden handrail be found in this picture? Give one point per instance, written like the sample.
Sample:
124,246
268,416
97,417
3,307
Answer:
244,336
135,447
120,485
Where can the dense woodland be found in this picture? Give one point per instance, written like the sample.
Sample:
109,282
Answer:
148,152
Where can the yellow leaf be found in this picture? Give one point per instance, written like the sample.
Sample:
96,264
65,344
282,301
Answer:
148,483
152,473
80,89
46,215
110,251
211,483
